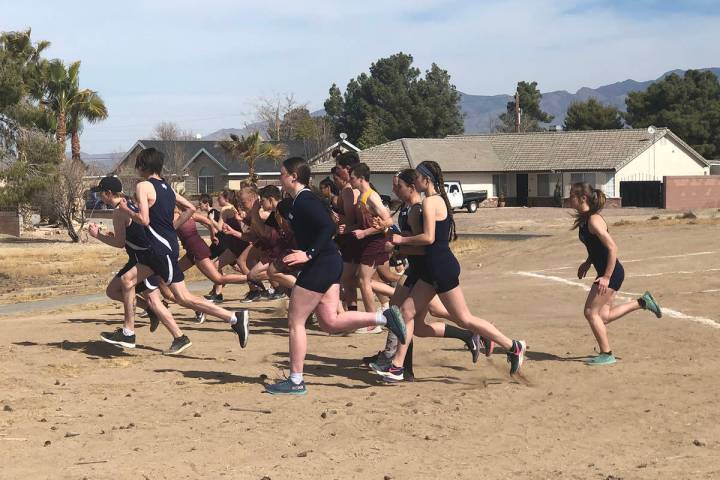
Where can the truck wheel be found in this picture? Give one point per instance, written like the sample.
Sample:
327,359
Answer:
472,207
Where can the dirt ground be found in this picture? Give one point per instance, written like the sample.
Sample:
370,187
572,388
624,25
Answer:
74,407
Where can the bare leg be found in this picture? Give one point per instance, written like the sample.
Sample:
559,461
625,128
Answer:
198,304
302,303
365,275
593,306
610,313
349,283
420,295
331,322
454,301
154,300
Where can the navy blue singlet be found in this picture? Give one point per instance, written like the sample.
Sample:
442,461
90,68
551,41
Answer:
161,231
598,254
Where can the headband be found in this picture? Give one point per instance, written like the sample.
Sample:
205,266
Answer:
425,171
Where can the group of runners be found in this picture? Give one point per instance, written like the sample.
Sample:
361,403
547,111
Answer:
319,248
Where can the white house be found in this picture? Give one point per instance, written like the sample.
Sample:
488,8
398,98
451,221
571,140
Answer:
527,168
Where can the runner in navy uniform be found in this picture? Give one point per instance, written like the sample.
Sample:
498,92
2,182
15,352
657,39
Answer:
440,273
602,254
410,223
132,236
317,289
156,203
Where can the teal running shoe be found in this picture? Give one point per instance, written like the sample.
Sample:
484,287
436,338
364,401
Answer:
651,304
286,387
602,359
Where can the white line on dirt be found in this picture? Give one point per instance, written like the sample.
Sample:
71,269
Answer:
667,311
679,272
694,254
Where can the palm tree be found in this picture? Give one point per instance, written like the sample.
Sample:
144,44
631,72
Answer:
90,107
69,103
249,149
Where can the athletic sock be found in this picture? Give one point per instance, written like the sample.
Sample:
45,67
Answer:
233,319
296,378
128,333
408,363
385,305
380,318
451,331
641,302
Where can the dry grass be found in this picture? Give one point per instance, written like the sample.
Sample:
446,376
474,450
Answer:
39,270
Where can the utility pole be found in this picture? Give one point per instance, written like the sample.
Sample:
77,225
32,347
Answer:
517,111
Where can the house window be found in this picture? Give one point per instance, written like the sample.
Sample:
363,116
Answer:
584,177
206,182
500,184
543,185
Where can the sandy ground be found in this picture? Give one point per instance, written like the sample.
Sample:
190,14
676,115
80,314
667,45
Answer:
73,407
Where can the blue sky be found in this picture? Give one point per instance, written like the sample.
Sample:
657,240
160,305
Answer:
204,64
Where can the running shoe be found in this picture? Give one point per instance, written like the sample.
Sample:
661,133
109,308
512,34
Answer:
602,359
210,295
266,294
199,317
390,372
286,387
371,359
154,320
278,294
178,346
241,326
516,355
118,338
474,346
252,296
395,323
489,346
381,364
214,298
144,314
651,304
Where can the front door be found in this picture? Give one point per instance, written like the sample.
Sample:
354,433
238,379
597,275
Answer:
521,183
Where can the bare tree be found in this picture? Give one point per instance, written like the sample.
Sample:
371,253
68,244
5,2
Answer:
68,193
272,111
171,131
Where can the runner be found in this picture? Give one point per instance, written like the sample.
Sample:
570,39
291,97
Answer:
132,236
440,274
156,204
602,254
317,288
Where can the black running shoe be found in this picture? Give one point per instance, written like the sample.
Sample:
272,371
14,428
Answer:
118,338
241,326
371,359
474,346
154,320
210,295
395,323
199,317
178,346
252,296
516,355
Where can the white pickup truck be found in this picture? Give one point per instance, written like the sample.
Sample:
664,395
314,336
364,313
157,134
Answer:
459,199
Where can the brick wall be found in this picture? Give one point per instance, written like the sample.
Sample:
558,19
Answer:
686,192
10,223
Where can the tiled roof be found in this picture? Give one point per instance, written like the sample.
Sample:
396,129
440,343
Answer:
188,149
513,152
581,150
384,158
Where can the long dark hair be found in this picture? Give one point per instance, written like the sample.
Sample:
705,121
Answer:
595,199
436,177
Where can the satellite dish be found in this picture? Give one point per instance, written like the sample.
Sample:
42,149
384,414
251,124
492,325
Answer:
343,136
651,130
